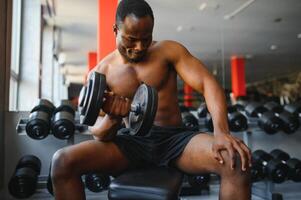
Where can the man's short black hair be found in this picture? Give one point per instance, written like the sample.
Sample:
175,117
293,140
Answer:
139,8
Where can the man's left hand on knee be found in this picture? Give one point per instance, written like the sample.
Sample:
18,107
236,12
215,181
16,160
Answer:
232,145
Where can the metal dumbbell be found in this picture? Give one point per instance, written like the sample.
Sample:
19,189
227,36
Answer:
257,172
236,120
23,182
49,182
294,108
267,120
202,111
63,125
199,180
274,169
294,164
190,121
96,182
38,125
143,107
289,122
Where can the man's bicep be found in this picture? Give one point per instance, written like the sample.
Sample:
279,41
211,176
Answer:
191,70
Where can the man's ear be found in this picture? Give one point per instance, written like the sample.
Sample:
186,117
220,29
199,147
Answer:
115,29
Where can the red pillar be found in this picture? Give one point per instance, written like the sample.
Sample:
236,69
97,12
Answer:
238,76
187,95
105,35
92,60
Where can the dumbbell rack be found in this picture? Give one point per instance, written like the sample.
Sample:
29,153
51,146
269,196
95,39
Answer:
20,128
265,189
41,189
42,192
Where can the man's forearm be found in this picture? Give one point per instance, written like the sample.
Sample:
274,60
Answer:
105,128
217,106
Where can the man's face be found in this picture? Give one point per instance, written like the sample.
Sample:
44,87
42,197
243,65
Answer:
134,36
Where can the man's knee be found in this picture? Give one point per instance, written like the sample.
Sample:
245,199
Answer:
227,171
62,165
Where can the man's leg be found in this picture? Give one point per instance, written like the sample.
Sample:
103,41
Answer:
197,157
68,164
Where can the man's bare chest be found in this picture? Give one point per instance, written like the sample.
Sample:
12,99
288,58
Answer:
125,79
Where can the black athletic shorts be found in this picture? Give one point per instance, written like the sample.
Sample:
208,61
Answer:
159,147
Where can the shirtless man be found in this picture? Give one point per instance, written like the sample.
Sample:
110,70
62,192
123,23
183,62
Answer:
140,59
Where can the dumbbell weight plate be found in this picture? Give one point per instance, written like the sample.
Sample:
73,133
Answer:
209,123
273,106
43,105
199,180
190,121
202,111
237,122
30,161
295,169
66,106
253,108
93,99
269,122
82,96
23,183
38,125
63,125
147,98
294,108
97,182
290,123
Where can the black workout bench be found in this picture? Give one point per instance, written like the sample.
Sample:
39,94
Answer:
158,183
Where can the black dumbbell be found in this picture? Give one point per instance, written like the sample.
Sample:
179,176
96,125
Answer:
289,122
294,164
23,182
257,172
236,120
273,106
199,180
294,108
274,169
267,120
209,122
38,125
202,111
63,125
49,182
190,121
96,182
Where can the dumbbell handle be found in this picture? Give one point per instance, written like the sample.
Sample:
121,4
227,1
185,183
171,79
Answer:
136,108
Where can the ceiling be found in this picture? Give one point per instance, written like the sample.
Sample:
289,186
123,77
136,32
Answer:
266,32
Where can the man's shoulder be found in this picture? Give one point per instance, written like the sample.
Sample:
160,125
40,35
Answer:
168,43
171,46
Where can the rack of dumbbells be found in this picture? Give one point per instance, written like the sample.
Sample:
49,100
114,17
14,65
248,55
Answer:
63,123
251,118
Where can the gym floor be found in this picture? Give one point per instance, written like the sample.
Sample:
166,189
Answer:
290,191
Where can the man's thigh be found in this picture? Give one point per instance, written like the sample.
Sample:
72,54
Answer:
198,157
94,155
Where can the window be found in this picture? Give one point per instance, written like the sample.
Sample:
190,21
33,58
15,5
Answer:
15,54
